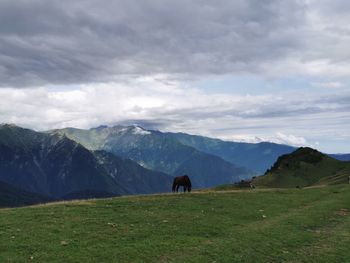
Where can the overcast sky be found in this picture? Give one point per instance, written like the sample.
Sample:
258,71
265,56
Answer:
246,70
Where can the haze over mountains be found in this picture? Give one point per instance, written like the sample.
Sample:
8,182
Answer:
105,161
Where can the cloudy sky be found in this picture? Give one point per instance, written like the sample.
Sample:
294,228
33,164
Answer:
246,70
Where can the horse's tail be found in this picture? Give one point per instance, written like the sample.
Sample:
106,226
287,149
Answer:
174,185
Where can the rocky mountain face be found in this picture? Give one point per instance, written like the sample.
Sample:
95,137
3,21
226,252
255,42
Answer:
54,165
134,178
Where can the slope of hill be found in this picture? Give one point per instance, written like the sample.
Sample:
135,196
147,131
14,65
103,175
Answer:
134,178
11,196
220,171
56,166
158,151
286,225
52,165
305,167
254,156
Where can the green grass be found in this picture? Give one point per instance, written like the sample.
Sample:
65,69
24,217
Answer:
327,172
290,225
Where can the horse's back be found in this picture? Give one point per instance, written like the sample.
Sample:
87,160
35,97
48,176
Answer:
182,179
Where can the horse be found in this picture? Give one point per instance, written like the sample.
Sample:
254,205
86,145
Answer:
182,181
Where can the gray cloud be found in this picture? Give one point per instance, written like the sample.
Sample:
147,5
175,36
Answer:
60,42
134,62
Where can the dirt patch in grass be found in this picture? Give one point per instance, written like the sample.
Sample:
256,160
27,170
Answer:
342,212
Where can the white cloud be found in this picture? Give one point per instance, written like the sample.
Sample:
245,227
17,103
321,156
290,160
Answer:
290,139
332,84
277,137
285,118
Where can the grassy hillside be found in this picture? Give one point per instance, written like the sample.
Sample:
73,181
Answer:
291,225
305,167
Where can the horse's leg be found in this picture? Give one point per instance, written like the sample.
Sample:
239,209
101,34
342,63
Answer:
174,185
185,187
177,187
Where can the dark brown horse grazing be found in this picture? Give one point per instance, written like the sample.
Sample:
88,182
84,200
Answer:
183,181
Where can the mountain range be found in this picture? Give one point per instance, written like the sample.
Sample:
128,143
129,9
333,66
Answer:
161,152
166,151
106,161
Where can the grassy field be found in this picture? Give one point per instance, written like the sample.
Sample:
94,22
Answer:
290,225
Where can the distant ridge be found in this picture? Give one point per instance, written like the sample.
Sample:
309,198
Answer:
254,156
341,157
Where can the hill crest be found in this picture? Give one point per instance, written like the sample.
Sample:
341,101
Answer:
304,167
